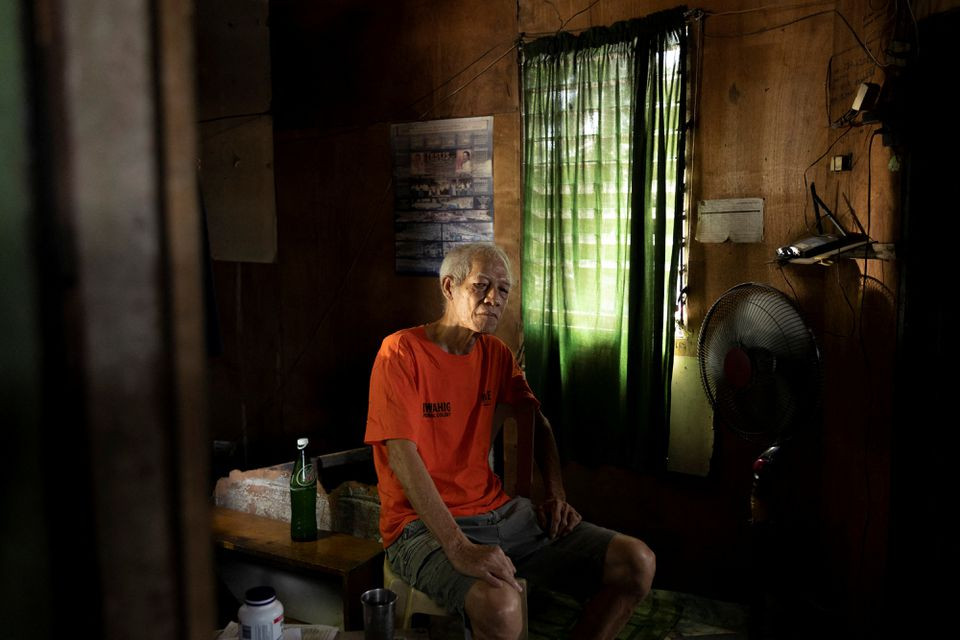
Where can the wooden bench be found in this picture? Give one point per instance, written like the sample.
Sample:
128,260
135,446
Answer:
357,562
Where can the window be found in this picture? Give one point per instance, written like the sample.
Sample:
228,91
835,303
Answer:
603,203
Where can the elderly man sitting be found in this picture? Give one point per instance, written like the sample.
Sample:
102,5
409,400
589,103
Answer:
447,525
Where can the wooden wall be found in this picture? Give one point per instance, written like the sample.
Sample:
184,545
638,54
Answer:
761,124
300,335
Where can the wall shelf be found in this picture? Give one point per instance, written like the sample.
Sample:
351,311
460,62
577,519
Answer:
872,251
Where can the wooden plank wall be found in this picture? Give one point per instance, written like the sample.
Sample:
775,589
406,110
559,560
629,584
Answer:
761,125
236,129
300,335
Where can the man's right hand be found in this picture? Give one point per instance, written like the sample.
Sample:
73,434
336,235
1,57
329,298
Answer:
487,562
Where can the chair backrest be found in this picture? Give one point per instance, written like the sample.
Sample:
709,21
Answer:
513,449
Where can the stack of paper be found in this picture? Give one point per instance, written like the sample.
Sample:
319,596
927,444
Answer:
290,632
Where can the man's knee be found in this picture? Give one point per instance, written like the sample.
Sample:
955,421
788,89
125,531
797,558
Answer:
494,612
630,566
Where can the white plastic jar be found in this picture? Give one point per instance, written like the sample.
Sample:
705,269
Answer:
261,616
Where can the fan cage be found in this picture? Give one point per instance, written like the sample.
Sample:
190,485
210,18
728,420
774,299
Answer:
785,378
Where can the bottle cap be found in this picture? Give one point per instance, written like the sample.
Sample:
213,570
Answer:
302,443
260,595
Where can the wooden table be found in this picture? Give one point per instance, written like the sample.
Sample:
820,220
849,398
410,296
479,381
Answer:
356,561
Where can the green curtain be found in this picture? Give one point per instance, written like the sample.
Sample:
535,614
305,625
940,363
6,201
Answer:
603,200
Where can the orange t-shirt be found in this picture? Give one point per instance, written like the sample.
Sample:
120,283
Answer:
444,403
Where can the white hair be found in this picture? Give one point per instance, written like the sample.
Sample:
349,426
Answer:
459,261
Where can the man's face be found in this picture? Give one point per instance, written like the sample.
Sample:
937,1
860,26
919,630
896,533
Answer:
478,301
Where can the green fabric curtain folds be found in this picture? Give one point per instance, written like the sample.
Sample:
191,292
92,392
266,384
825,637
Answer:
603,201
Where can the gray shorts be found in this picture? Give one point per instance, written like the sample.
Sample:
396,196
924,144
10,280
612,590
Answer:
572,564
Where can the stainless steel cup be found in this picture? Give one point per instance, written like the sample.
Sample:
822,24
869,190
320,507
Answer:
378,612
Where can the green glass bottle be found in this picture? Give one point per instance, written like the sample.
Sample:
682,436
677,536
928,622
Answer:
303,496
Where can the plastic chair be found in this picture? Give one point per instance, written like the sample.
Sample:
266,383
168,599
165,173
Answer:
517,473
412,601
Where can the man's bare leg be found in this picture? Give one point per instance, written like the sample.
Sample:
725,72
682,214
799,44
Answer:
495,612
627,577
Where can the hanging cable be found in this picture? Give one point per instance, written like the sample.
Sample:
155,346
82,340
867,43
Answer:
779,7
468,82
796,298
795,21
806,185
457,74
846,298
585,9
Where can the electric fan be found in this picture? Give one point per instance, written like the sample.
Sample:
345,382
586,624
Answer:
760,368
759,363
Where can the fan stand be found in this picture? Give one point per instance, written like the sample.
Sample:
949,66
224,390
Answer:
768,604
760,367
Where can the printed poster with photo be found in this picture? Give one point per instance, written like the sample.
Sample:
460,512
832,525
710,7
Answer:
443,185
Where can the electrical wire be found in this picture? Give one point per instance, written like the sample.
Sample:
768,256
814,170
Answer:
457,74
873,135
468,82
806,185
867,364
846,298
866,261
890,18
773,28
803,5
410,105
796,298
231,117
860,42
219,132
555,10
826,91
567,21
795,21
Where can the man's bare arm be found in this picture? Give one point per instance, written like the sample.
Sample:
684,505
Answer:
557,517
546,455
486,562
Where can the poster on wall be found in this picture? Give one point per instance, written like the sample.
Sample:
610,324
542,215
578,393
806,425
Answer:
443,185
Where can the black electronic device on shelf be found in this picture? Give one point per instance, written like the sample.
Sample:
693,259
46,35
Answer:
822,246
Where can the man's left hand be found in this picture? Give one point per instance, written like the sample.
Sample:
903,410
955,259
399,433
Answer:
557,517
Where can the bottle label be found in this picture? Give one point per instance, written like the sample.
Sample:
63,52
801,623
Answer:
263,631
305,477
260,622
